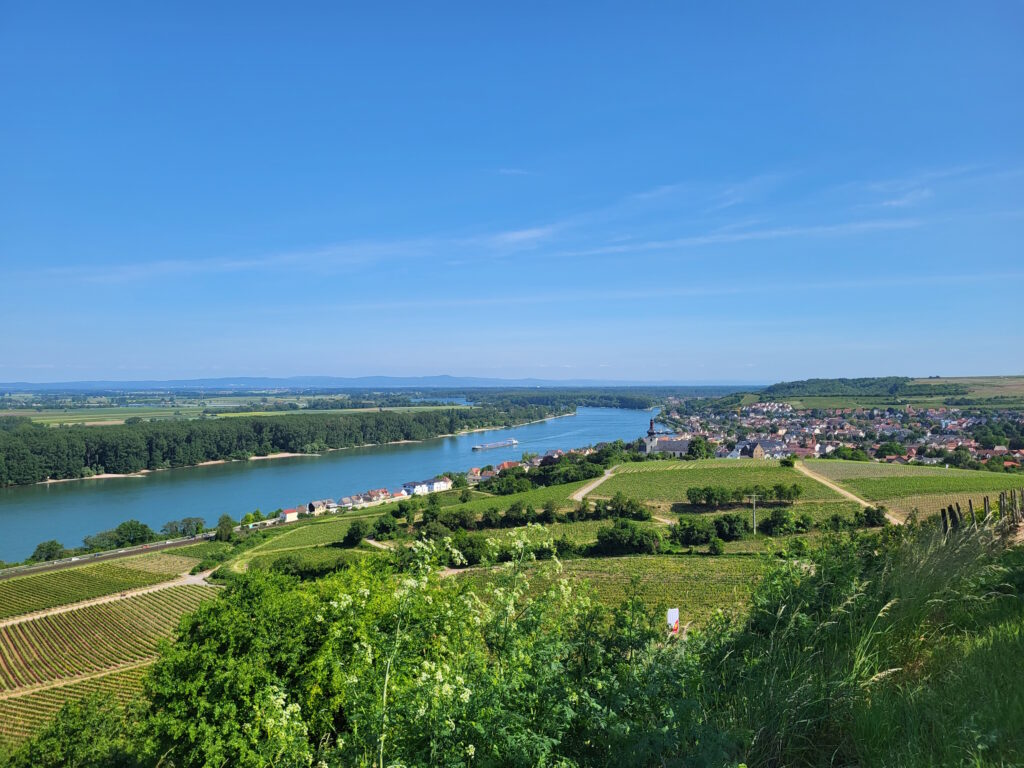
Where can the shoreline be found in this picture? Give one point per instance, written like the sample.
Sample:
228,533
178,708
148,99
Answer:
287,455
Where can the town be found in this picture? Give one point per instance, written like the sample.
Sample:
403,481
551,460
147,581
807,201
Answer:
772,430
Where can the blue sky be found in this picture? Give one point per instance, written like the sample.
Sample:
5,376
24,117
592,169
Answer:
688,192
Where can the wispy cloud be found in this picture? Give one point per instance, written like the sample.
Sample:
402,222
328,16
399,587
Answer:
772,233
514,172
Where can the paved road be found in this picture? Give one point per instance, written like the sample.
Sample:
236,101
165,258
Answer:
804,469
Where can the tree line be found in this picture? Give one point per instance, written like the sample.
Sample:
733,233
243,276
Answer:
720,495
30,453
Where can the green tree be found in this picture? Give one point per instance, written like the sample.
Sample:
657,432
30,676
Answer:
47,550
225,528
700,448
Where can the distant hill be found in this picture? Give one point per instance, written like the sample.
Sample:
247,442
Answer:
338,382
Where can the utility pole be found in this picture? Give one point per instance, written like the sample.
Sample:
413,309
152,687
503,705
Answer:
752,498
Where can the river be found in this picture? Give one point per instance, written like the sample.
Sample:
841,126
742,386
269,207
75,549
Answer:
68,511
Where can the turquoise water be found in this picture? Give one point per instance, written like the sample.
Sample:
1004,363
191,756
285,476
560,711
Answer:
69,511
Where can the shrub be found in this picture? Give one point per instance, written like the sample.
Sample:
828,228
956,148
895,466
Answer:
715,546
626,537
778,523
355,534
692,531
730,527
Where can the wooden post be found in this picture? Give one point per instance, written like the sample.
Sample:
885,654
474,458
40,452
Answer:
945,521
988,508
974,519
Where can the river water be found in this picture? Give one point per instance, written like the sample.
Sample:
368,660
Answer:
69,511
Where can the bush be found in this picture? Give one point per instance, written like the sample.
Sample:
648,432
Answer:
871,517
626,537
385,527
692,531
730,527
715,546
355,534
434,530
778,523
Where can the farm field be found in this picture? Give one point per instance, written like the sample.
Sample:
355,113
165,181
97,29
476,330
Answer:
22,715
838,470
97,416
36,592
930,504
667,481
819,511
696,584
883,489
93,638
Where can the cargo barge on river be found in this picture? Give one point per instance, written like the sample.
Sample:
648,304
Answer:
502,444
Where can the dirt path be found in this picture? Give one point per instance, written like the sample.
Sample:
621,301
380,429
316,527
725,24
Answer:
805,470
198,579
578,496
377,544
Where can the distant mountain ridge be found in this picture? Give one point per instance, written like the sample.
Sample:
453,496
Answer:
339,382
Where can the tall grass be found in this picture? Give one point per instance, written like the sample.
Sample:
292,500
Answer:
898,650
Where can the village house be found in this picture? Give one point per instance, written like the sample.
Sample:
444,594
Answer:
290,515
423,487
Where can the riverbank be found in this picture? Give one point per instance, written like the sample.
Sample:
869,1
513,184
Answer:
290,455
69,511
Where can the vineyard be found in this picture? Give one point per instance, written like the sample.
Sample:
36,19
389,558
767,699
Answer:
932,504
93,638
698,586
668,480
21,715
36,592
885,489
837,470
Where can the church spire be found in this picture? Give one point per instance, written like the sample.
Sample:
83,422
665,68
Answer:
650,431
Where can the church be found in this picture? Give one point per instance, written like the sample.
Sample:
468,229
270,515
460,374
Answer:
668,445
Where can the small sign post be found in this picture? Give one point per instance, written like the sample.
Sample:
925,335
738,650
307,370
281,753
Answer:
673,621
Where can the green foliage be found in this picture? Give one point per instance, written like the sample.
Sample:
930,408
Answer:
47,550
716,547
225,528
626,537
356,532
33,452
88,733
700,448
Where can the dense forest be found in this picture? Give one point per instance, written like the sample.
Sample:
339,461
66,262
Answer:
885,386
30,453
873,650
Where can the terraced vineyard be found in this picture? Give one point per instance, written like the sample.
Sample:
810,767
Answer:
20,716
93,638
36,592
667,481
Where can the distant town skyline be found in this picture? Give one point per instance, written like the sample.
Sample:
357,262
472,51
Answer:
619,193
